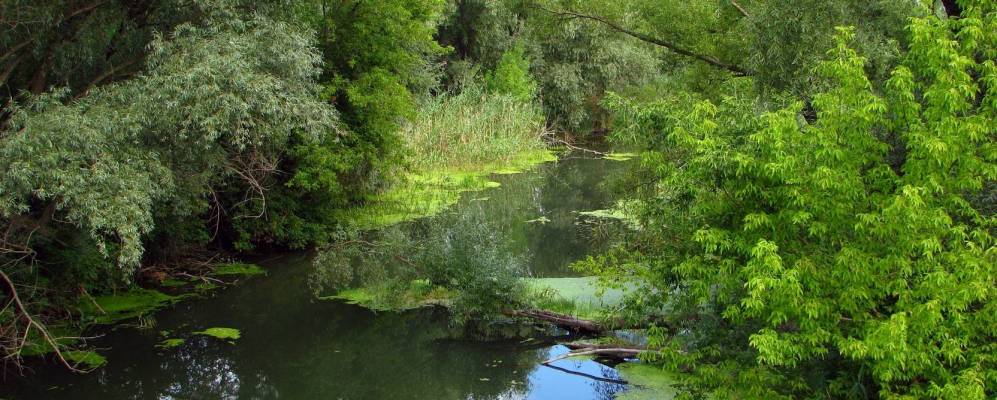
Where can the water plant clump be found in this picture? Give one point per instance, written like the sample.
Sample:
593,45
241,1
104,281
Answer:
113,308
88,359
237,269
455,260
171,343
229,334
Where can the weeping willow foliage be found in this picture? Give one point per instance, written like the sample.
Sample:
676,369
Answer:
214,97
834,258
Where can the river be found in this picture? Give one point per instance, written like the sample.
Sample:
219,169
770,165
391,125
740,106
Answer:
294,346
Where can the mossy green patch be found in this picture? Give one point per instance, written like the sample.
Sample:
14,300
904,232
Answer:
221,333
622,211
619,156
647,382
170,343
173,283
578,296
240,269
426,193
205,286
36,345
118,307
90,359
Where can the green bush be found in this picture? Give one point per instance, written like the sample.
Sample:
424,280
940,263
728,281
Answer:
512,76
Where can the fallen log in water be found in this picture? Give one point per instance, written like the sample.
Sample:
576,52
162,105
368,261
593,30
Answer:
621,353
585,326
561,320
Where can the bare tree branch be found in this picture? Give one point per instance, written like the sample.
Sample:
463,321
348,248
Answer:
739,8
675,48
11,291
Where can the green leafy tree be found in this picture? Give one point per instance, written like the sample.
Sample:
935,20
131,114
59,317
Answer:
512,76
202,129
838,258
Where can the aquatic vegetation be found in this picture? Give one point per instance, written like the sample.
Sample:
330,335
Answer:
581,297
174,283
90,359
647,382
420,293
134,303
241,269
422,194
230,334
620,156
170,343
623,211
474,128
539,220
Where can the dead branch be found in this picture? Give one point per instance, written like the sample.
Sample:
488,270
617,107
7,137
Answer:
739,8
589,376
619,353
30,322
560,320
565,143
672,46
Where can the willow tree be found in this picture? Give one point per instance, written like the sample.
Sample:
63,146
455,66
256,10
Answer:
211,114
838,258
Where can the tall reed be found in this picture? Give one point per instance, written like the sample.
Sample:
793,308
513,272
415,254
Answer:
474,128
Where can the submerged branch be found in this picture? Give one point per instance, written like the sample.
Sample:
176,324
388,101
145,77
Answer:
589,376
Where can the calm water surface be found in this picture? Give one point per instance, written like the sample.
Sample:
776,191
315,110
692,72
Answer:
296,347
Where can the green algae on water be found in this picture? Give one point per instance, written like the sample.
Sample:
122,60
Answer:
619,156
134,303
420,293
241,269
170,343
578,296
87,358
647,382
422,194
221,333
173,283
622,211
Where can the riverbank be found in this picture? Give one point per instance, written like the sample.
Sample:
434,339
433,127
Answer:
292,346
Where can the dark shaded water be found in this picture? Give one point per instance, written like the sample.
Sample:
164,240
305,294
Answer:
296,347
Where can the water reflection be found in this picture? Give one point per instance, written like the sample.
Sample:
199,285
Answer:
296,347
